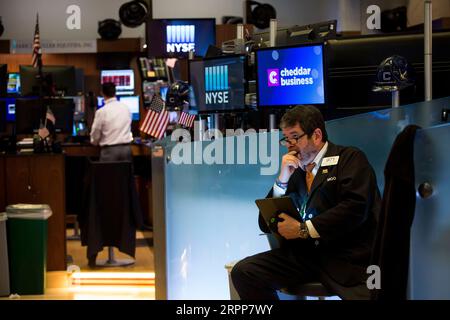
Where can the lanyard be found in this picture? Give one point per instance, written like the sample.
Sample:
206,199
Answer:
303,208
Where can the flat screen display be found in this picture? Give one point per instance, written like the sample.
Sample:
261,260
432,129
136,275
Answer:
123,79
290,76
61,78
13,86
10,104
132,103
217,84
176,37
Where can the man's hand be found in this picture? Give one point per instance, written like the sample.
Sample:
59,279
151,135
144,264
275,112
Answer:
289,228
289,163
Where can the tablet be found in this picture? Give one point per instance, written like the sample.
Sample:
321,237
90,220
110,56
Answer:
270,208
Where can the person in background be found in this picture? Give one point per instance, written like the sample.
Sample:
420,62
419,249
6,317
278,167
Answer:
111,129
336,191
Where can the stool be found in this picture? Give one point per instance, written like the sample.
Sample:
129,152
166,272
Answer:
112,262
310,289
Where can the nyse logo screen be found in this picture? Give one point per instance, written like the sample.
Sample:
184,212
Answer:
216,85
180,38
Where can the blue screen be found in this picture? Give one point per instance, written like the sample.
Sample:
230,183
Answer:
290,76
10,109
13,83
163,92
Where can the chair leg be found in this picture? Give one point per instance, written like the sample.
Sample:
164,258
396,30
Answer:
111,259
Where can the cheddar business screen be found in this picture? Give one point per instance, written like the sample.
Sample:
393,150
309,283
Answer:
217,84
290,76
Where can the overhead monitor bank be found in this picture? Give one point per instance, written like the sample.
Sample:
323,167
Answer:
290,76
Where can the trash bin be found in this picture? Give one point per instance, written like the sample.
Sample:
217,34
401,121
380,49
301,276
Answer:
4,268
27,247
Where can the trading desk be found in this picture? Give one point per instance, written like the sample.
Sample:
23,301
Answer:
88,150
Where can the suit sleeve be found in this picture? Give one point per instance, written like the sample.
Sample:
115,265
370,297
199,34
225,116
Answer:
356,191
293,181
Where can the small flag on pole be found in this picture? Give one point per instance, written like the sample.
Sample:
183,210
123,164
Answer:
186,119
36,56
156,120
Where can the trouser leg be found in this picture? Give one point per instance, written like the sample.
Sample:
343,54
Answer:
259,277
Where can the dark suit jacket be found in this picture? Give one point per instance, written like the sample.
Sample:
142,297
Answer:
343,207
392,241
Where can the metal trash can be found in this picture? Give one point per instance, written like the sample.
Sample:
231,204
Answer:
4,267
27,247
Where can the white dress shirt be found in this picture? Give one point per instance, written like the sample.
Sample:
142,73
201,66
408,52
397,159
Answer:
112,124
279,192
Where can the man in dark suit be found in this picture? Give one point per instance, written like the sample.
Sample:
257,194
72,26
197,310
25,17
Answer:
336,191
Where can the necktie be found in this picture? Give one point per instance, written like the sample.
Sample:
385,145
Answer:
309,175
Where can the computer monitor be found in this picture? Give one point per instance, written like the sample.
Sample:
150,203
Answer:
31,113
63,111
218,84
132,103
62,78
3,79
123,79
288,76
163,92
176,37
10,108
13,87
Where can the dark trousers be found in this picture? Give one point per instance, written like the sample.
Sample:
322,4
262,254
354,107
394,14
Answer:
121,152
259,276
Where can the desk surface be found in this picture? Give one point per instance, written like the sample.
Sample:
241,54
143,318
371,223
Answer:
89,150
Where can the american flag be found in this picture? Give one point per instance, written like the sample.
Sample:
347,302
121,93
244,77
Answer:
186,119
36,57
156,120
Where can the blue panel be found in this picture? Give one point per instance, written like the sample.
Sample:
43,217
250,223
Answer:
375,132
212,219
430,234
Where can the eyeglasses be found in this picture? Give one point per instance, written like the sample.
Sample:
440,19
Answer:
293,141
